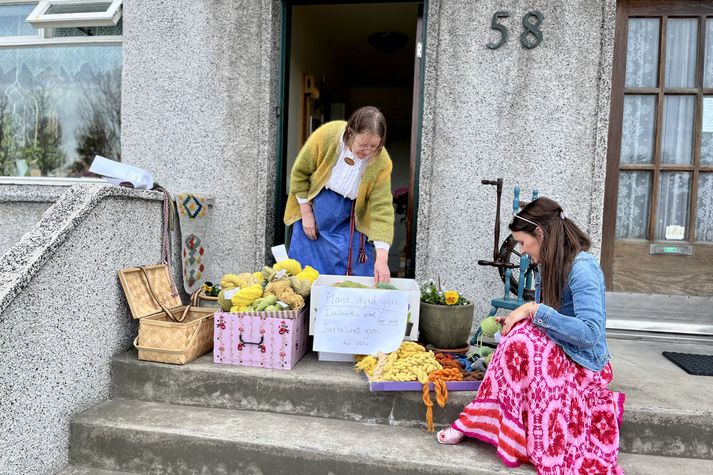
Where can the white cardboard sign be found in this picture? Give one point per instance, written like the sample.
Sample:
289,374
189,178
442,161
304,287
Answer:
360,321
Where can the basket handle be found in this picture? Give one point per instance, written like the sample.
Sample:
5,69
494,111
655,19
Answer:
163,350
194,298
163,307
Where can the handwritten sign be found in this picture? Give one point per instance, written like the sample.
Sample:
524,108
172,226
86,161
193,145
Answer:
360,321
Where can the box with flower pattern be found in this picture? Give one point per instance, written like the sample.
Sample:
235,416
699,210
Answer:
276,339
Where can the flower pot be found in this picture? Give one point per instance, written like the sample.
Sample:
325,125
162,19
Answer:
446,326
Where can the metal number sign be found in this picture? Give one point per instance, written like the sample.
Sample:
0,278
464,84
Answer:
531,22
502,29
532,28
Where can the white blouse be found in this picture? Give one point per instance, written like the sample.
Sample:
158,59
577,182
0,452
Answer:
345,179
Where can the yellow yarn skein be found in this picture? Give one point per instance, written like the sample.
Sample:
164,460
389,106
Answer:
283,290
308,273
229,281
410,362
408,348
290,265
247,295
366,364
414,367
276,287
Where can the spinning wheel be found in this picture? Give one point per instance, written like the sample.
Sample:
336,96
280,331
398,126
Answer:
510,257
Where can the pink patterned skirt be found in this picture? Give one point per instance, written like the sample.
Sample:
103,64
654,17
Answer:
536,405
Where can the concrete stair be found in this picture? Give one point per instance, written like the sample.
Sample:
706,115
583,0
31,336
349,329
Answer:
319,418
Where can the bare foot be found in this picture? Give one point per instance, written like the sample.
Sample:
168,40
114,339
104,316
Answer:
450,436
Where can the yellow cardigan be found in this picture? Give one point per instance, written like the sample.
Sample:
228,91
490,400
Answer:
374,209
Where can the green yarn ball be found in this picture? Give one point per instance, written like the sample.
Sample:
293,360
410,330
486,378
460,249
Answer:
224,303
483,351
490,327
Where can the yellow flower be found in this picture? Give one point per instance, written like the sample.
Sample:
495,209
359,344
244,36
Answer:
452,297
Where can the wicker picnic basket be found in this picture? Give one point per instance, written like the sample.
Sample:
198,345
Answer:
169,332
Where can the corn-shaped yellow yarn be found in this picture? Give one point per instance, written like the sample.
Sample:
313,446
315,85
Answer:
290,265
247,295
308,273
258,277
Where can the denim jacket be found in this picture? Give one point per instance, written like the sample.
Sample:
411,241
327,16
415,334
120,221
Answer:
579,327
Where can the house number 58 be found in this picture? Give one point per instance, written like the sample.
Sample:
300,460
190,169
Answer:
530,37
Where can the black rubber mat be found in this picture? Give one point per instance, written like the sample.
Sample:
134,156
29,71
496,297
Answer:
700,365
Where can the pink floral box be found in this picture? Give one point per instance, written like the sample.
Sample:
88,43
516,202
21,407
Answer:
263,339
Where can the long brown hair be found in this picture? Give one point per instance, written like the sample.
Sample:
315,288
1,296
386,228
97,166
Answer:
366,120
561,241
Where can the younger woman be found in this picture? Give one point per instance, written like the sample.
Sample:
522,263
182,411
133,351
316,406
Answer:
544,398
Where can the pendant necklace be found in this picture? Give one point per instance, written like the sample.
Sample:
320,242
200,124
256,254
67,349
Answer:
349,161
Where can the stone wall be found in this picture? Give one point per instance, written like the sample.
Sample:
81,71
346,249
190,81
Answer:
63,316
535,117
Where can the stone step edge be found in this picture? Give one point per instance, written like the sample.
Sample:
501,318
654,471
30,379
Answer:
273,435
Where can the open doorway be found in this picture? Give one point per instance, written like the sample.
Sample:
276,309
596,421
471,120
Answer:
339,57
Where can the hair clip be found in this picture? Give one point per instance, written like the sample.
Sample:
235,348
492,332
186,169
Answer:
563,216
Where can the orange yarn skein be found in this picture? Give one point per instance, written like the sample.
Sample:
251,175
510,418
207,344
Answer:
438,378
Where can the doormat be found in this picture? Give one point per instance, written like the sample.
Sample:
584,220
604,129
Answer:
699,365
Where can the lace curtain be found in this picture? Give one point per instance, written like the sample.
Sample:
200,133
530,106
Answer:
674,193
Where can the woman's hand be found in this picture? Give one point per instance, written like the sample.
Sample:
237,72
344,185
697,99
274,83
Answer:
523,312
381,266
309,225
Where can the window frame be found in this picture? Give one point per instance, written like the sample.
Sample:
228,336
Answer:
43,39
39,18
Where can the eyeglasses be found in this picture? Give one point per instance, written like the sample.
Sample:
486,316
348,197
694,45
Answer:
363,145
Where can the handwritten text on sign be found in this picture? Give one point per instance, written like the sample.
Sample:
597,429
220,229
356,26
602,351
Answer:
360,321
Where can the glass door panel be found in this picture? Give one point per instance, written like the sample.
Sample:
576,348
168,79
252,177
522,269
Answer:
642,55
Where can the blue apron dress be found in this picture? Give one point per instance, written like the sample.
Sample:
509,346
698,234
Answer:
329,253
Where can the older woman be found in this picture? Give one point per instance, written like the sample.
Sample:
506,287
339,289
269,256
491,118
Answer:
340,202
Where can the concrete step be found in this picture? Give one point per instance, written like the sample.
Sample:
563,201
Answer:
145,437
77,470
313,388
148,437
656,419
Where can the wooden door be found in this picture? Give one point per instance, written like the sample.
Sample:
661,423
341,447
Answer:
658,225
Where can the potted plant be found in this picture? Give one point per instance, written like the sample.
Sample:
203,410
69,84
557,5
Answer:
445,317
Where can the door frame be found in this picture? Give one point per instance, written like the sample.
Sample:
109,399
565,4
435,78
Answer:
279,235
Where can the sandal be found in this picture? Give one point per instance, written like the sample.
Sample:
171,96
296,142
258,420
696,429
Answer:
450,436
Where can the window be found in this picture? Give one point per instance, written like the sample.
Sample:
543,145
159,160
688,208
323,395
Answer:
60,95
79,13
666,153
